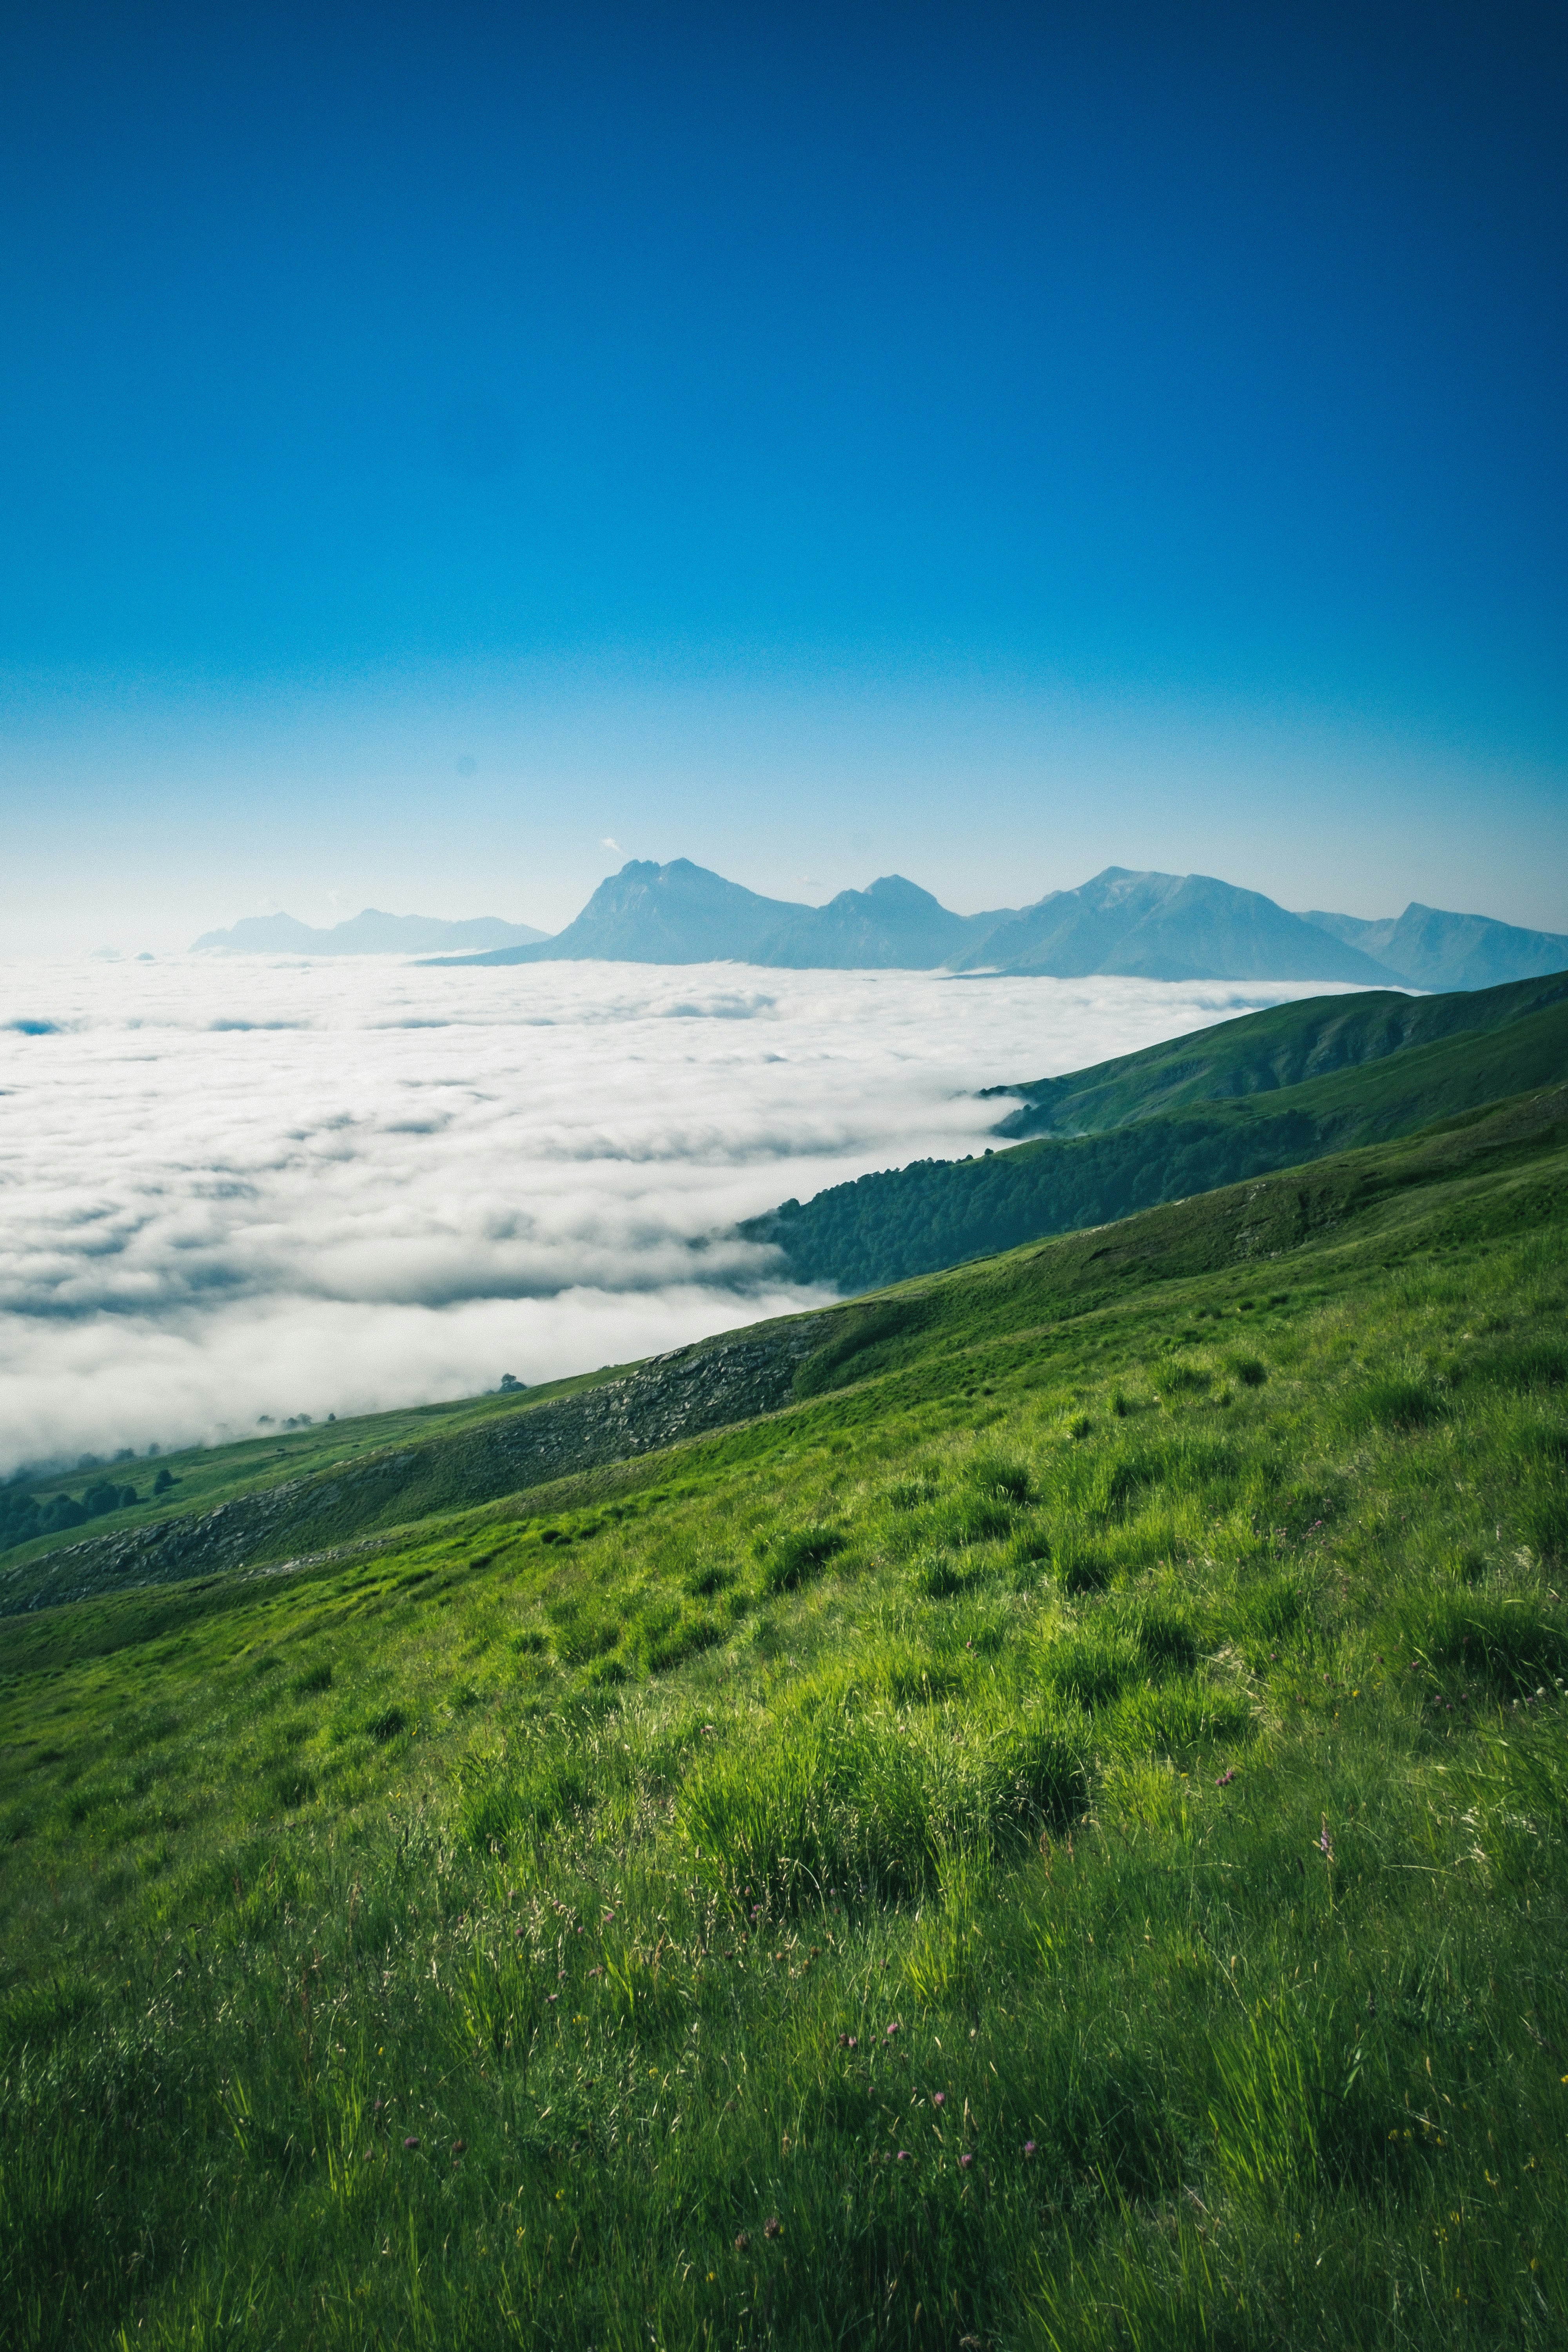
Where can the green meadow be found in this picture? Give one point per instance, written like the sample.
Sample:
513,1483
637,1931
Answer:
1055,1839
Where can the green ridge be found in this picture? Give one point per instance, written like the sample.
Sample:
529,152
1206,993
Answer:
1272,1090
1057,1838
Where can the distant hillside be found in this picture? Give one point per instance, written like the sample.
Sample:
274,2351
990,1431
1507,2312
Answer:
1184,1120
1261,1053
1432,949
368,933
1167,927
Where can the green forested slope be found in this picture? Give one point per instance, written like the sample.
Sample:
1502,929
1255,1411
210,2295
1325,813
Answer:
1057,1838
1261,1052
1233,1115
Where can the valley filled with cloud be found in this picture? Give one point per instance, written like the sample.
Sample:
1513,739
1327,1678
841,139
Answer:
282,1188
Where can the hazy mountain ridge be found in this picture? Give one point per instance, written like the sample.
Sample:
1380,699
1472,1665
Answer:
1433,949
893,925
648,913
1143,926
369,933
1168,926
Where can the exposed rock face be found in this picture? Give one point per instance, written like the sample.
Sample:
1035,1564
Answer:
683,1394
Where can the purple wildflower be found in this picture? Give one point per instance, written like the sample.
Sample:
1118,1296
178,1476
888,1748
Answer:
1028,2147
965,2161
411,2141
902,2157
1325,1842
939,2098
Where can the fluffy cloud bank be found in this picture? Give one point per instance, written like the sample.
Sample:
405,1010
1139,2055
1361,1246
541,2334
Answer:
275,1188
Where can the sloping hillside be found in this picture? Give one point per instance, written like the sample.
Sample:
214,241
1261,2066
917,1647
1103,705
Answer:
1205,1110
1055,1837
1261,1052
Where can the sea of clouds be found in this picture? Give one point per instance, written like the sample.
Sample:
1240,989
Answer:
257,1187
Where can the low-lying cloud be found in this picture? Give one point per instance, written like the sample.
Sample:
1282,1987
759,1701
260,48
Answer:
280,1187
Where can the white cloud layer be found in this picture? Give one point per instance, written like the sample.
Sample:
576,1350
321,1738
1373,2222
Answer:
264,1187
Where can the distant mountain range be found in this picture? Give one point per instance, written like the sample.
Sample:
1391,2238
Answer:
1435,949
1141,925
1145,926
368,933
1168,926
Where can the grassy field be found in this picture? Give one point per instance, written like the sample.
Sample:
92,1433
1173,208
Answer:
1057,1839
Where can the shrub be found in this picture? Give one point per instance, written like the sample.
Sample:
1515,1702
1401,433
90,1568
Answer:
1269,1610
711,1578
692,1630
1166,1636
1081,1566
793,1558
1034,1774
974,1517
910,1680
1007,1477
941,1576
843,1797
1512,1642
1091,1666
1393,1403
501,1803
913,1493
1543,1522
1540,1365
1178,1714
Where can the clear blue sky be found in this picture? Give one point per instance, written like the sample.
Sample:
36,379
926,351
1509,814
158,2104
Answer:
985,442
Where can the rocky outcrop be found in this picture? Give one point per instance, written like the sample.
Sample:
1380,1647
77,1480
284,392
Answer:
682,1394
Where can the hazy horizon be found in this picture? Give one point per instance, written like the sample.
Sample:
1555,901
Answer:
341,909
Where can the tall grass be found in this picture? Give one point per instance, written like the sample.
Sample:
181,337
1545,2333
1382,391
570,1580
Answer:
912,1879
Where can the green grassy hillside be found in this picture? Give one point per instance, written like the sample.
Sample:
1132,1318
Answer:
200,1478
1202,1112
1261,1052
1055,1838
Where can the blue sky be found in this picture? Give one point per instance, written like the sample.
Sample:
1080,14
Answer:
989,443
